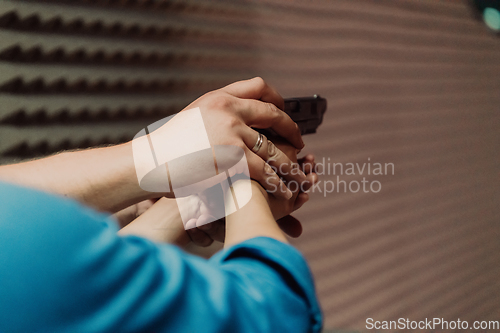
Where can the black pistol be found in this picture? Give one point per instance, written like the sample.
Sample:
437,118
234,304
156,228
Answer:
307,112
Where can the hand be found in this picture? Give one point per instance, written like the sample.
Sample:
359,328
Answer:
197,211
160,223
230,112
159,220
201,209
282,208
289,224
162,220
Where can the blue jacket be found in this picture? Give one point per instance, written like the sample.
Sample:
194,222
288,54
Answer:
63,268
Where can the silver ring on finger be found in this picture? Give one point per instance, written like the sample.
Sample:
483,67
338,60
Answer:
258,144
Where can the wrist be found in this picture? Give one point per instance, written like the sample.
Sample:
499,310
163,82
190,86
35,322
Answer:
118,178
254,219
160,223
258,190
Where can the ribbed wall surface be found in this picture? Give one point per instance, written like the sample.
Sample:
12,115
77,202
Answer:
80,73
413,83
417,84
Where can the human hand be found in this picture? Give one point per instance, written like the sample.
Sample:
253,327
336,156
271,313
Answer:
230,112
280,208
227,116
202,208
159,220
198,213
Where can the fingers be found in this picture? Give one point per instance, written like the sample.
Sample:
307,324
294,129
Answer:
307,163
262,107
255,88
266,115
203,233
274,156
301,199
215,230
265,175
199,237
290,225
311,179
286,167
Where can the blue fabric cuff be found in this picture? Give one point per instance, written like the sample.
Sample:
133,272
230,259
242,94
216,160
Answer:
289,263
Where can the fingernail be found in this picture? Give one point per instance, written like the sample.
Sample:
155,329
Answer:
271,148
288,193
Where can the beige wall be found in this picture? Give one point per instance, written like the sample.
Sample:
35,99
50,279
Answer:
417,84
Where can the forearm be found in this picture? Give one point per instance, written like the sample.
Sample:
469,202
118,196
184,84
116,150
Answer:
161,223
103,178
252,220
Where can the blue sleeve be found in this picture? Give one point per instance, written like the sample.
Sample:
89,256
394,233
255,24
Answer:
64,269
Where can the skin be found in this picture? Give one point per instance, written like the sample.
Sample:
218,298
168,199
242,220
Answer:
264,215
255,219
162,222
105,178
